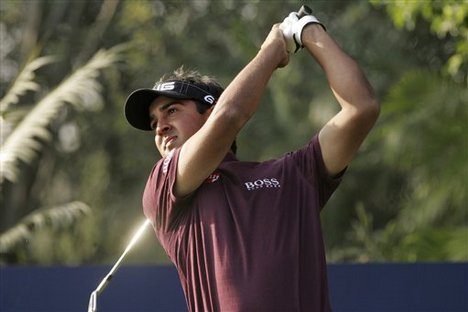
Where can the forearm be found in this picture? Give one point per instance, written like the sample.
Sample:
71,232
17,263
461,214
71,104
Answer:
346,79
342,135
242,97
205,150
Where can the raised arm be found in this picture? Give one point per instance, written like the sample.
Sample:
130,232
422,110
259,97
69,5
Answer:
341,137
205,150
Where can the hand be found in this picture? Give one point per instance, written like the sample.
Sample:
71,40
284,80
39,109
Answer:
292,27
287,27
275,41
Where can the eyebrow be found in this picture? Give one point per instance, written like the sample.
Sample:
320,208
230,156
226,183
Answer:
164,107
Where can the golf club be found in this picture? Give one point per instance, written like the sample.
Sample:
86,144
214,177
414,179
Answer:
92,307
304,10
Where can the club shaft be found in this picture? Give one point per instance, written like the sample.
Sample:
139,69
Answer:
304,10
105,281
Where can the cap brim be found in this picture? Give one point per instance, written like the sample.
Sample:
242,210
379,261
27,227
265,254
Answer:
137,106
137,103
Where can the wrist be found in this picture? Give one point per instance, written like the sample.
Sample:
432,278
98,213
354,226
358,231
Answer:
274,53
302,24
313,34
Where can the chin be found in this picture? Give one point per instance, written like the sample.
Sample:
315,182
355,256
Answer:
162,153
167,152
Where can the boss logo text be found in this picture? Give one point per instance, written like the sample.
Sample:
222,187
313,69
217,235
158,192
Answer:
261,183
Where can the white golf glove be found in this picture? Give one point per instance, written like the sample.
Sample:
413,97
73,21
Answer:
292,27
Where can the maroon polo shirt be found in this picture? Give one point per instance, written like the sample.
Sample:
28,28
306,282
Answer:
249,238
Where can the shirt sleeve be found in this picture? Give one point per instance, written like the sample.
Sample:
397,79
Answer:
309,159
160,205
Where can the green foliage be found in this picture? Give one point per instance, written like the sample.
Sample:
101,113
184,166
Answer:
26,140
425,133
421,138
23,144
447,19
24,82
50,219
402,199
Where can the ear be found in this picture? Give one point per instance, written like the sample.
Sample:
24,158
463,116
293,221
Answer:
209,111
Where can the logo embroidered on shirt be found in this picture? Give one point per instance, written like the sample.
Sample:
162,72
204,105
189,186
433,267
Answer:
166,162
261,183
212,177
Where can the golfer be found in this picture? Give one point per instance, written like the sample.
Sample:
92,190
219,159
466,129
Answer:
246,236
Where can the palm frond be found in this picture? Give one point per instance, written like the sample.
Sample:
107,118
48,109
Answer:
57,217
81,89
24,82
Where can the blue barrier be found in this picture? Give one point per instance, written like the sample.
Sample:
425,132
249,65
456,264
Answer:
419,287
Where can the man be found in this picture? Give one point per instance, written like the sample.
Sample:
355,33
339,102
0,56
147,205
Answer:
245,236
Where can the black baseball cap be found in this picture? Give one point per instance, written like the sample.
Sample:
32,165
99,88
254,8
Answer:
138,102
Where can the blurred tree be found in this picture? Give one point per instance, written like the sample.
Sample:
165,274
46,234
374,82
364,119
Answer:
25,137
423,145
96,158
447,20
28,156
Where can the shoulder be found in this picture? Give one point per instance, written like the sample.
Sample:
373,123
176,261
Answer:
163,165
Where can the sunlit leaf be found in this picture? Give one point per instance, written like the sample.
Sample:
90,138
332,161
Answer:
57,217
24,82
81,89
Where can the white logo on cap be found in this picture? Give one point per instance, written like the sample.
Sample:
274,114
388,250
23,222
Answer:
209,98
166,86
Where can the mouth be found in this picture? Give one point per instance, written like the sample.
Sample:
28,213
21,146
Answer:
167,141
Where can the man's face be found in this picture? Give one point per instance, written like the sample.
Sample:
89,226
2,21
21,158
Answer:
174,121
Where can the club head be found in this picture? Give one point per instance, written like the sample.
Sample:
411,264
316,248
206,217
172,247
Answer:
92,302
304,10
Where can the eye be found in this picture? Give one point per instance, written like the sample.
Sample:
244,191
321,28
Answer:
171,111
153,124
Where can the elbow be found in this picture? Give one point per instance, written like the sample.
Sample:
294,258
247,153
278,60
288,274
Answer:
368,111
231,118
370,108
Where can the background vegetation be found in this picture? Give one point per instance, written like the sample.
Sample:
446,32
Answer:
72,170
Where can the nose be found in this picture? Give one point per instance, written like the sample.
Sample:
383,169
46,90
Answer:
162,127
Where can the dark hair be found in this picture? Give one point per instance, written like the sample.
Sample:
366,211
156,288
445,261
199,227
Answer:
190,75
